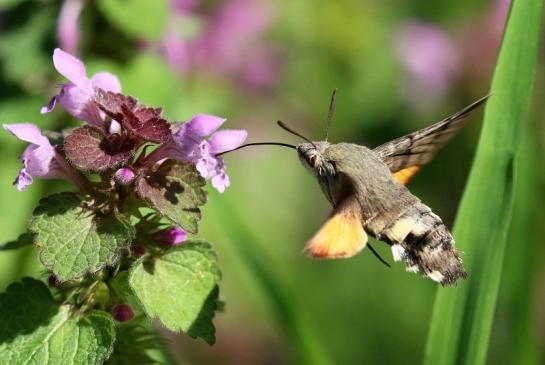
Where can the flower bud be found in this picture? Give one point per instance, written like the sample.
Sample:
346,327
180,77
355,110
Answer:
52,281
172,236
124,176
122,312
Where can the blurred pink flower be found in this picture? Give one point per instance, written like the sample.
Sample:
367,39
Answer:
68,31
430,61
230,42
479,40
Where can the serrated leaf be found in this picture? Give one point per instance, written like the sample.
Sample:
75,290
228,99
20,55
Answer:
89,149
74,240
180,288
139,18
35,330
176,191
25,239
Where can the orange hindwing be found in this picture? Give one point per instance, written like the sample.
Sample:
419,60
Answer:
405,175
341,236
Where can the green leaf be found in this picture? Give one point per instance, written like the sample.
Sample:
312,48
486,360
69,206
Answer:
23,240
176,191
125,293
74,240
462,317
138,18
180,288
36,330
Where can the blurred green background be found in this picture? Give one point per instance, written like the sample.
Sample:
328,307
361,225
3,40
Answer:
399,66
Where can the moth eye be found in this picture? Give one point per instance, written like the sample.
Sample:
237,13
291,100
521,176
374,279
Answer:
312,160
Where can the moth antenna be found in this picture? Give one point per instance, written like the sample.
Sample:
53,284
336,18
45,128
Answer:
258,144
332,104
377,255
288,129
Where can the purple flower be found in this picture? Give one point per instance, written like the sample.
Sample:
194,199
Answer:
124,176
68,32
39,158
172,236
189,144
76,96
430,60
122,312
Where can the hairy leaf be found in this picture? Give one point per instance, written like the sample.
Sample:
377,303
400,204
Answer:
74,240
180,288
35,330
88,148
176,191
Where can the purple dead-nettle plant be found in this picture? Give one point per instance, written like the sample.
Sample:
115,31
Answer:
124,243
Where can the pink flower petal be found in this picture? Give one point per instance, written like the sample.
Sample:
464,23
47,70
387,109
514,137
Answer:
221,182
203,124
50,106
79,103
40,160
70,67
27,132
23,180
227,140
172,236
106,81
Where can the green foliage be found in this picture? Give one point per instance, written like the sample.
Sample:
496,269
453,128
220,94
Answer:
26,62
125,293
37,330
179,287
138,18
134,340
176,191
462,318
73,239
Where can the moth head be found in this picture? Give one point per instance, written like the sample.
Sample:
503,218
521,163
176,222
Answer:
312,154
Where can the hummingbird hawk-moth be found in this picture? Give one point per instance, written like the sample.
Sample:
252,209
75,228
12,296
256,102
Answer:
367,189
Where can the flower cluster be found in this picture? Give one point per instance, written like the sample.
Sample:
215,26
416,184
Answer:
114,139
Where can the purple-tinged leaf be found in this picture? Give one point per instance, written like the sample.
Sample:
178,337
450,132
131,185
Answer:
175,190
89,149
111,103
142,122
155,130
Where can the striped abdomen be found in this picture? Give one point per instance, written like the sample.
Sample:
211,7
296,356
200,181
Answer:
423,242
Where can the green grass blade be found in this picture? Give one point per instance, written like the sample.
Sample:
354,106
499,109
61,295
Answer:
462,316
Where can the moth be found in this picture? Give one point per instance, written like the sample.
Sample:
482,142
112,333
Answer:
367,190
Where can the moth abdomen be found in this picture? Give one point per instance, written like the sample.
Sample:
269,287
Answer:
423,242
